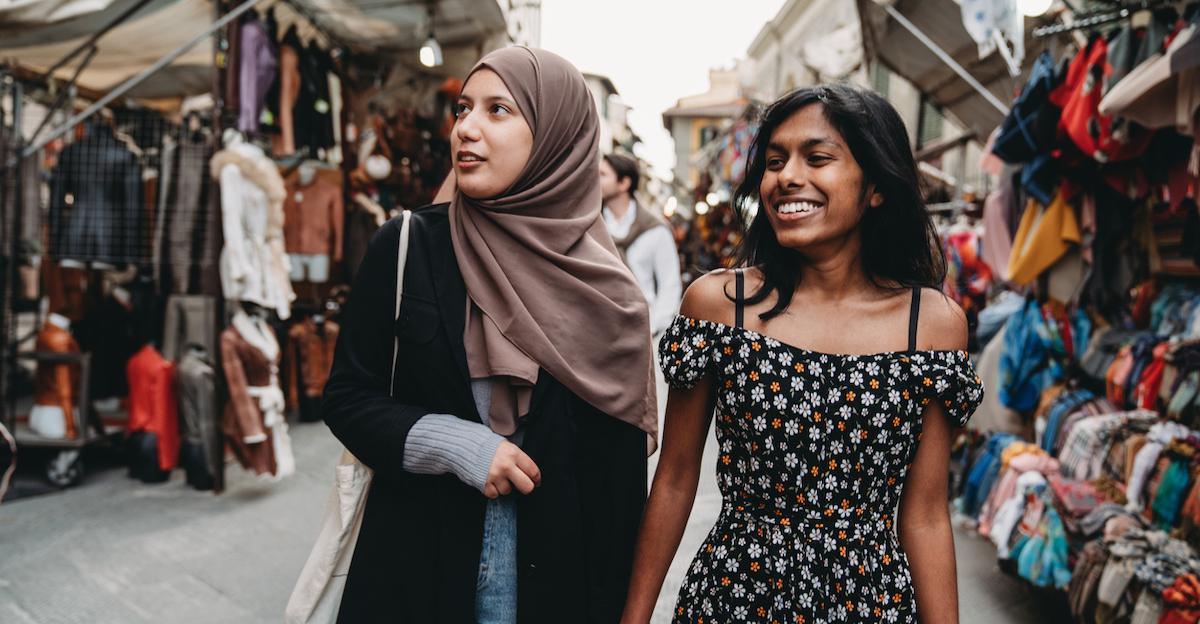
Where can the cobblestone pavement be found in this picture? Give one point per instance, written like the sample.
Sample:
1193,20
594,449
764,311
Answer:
116,551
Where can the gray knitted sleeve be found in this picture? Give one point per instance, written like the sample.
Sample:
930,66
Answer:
445,444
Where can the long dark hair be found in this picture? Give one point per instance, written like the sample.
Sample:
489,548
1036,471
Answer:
900,246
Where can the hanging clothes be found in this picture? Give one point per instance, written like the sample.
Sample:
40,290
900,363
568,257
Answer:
1101,137
253,422
308,360
154,403
187,201
202,451
1029,128
313,219
97,212
110,333
254,265
257,63
1045,234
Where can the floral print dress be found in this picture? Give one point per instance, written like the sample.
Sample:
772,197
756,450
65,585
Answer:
814,449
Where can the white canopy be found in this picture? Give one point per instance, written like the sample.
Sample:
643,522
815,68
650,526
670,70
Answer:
35,34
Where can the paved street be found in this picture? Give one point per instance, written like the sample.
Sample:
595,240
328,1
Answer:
117,551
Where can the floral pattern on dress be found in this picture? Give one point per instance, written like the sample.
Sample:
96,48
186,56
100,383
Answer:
814,450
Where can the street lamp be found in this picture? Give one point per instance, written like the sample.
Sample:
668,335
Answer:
669,208
711,199
701,208
1033,8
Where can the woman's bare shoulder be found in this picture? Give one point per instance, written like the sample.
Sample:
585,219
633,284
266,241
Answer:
943,324
710,297
705,299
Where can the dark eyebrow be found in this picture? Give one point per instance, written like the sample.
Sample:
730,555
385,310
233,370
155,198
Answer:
490,99
807,144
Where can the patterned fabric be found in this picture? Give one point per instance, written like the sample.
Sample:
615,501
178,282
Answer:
814,451
1083,453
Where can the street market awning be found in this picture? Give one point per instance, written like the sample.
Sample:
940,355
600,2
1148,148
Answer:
32,37
143,39
403,25
940,21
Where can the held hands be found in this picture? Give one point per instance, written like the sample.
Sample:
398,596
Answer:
511,469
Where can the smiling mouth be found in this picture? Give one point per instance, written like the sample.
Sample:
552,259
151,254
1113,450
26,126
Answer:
798,208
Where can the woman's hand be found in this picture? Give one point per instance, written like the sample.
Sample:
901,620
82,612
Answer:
511,469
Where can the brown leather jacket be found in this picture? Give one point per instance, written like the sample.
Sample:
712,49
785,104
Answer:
55,383
312,219
246,366
308,358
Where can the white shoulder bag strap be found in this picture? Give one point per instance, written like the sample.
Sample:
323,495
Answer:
318,593
401,259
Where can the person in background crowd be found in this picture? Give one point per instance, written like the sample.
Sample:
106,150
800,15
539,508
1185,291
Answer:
643,238
514,444
828,418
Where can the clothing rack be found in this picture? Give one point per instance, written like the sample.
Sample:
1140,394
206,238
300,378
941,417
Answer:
1120,11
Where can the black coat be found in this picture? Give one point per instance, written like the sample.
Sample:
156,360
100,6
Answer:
97,213
417,558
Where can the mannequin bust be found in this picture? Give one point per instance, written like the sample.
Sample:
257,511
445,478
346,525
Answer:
122,296
231,137
59,321
306,174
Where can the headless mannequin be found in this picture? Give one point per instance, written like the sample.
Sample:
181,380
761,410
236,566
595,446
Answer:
53,413
306,173
59,321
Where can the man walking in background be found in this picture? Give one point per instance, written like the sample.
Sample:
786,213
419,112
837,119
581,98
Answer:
645,243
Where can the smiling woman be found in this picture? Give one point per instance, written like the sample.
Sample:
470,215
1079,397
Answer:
829,416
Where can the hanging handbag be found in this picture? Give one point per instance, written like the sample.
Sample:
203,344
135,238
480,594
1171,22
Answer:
318,593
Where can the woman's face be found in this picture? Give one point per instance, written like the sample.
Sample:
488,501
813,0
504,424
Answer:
812,186
492,140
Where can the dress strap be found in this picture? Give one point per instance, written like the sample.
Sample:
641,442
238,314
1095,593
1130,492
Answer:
914,314
739,305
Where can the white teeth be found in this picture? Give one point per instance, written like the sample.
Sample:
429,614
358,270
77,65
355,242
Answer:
468,159
795,207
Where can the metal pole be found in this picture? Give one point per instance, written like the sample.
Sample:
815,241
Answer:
141,76
9,356
947,59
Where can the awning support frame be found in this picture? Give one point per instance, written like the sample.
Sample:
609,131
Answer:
134,81
946,58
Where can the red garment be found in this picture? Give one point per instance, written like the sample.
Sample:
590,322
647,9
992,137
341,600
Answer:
1152,377
153,402
1182,601
1079,96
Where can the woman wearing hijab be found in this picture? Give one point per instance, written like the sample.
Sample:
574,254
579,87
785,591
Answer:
510,464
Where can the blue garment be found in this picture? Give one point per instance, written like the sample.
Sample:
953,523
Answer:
1023,359
1053,570
996,314
1042,559
1034,354
1065,405
496,590
1028,129
984,473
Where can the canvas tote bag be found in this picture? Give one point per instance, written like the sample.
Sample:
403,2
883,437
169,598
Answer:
318,593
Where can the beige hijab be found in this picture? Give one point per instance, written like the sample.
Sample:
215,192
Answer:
545,287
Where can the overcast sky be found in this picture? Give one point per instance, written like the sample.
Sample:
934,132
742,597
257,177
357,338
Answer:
654,51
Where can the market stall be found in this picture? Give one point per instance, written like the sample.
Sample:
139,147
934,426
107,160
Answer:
188,188
1080,465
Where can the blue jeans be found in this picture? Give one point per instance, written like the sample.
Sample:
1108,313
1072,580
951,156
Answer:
496,589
